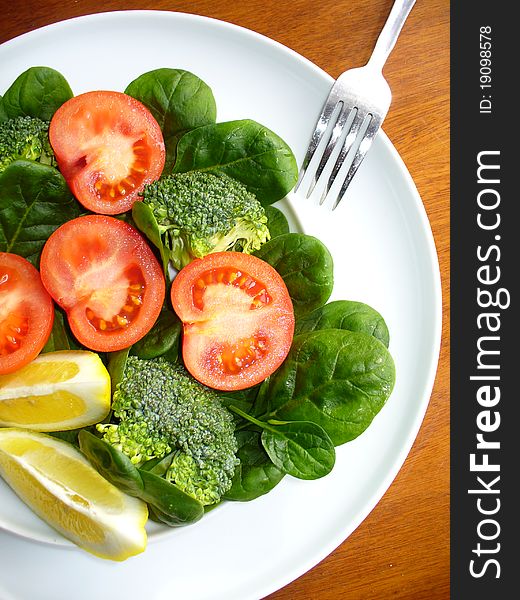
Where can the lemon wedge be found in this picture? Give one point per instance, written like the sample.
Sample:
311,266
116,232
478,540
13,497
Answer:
57,391
61,486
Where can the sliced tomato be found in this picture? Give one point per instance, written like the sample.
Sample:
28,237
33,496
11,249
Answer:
238,319
103,273
26,313
108,146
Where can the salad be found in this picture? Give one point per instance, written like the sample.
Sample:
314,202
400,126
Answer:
165,336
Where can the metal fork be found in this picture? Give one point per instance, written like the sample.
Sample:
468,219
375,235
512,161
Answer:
353,113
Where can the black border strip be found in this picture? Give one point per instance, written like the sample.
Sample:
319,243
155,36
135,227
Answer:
484,251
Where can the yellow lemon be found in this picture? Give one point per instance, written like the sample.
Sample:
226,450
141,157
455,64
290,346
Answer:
57,391
61,486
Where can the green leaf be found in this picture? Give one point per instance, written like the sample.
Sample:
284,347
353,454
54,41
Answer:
3,114
159,466
338,379
162,338
116,366
256,474
37,92
345,314
306,267
70,436
276,221
244,399
244,150
61,338
34,202
300,448
170,504
179,101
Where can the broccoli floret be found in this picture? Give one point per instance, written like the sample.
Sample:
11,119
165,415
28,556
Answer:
25,138
160,408
199,213
205,481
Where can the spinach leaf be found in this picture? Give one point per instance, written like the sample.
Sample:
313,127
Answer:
70,436
338,379
163,337
171,505
37,92
158,466
171,520
299,448
345,314
244,150
111,463
179,101
256,474
305,265
116,366
261,403
276,221
3,114
244,399
34,201
61,338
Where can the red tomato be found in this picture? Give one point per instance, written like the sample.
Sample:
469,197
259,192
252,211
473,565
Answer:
26,313
103,273
108,146
238,319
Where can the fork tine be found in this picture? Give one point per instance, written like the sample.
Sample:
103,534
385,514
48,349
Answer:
317,135
347,145
366,142
333,140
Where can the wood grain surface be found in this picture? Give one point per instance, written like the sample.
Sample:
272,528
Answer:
401,550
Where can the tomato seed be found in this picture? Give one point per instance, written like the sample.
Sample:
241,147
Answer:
122,321
234,358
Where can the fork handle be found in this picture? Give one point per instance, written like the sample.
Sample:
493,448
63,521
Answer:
390,32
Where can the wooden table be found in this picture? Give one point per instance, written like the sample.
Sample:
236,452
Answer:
402,549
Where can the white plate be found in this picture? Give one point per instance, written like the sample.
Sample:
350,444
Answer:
384,255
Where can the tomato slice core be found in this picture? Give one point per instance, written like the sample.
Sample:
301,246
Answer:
26,313
122,315
233,277
238,319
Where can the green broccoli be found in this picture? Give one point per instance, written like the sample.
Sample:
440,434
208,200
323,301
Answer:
161,409
199,213
25,138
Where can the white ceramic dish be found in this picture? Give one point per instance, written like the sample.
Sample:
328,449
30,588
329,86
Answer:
384,255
